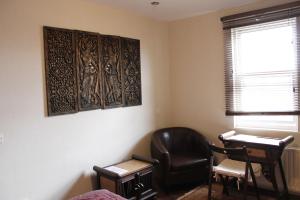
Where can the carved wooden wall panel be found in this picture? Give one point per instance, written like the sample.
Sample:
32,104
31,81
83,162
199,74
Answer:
88,70
111,71
131,64
60,71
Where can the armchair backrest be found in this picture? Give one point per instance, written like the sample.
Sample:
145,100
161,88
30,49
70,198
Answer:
181,139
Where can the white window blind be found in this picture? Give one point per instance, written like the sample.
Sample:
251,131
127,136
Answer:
262,64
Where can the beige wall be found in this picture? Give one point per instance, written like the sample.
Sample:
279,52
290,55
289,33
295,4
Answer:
197,78
51,158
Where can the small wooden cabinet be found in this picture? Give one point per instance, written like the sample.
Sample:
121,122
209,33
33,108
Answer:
131,179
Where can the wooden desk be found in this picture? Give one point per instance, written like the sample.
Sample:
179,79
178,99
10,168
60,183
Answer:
264,150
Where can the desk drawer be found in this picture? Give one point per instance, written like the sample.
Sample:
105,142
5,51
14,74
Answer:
259,153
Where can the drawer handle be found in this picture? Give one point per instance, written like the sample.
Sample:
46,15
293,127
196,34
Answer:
138,187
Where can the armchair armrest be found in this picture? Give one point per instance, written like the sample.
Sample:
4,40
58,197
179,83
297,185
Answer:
141,158
159,152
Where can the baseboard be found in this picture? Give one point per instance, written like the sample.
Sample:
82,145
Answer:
271,193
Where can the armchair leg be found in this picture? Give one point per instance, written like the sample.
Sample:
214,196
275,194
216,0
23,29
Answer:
167,187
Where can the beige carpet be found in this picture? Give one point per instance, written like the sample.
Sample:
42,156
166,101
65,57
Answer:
200,193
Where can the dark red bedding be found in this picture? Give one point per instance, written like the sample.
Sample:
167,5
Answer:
98,195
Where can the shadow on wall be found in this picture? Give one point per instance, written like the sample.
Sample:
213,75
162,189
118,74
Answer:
82,185
86,183
142,147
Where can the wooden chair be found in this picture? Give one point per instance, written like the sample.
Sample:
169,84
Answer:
236,165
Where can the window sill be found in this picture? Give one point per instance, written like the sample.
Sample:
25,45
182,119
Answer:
265,129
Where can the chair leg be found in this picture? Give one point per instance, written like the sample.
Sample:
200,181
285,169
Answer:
254,182
246,181
227,183
224,182
210,177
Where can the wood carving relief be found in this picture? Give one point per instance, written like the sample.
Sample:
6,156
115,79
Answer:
131,64
111,71
87,71
60,71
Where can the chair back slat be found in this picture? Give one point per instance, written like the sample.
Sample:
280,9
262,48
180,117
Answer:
239,154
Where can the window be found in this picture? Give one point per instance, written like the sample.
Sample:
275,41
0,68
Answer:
262,69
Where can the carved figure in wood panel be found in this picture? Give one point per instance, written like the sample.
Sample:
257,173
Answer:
131,64
60,71
111,71
87,54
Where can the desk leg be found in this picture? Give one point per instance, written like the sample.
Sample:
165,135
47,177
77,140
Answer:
274,182
286,191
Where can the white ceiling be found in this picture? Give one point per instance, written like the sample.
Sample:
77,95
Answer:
169,10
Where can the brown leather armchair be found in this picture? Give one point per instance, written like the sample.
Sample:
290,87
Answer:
183,154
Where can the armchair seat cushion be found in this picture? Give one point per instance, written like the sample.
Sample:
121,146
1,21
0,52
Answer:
187,161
